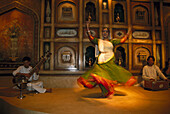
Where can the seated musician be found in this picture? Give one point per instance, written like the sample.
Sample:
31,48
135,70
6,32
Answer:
24,70
150,71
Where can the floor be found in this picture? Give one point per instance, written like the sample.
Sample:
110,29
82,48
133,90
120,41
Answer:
126,100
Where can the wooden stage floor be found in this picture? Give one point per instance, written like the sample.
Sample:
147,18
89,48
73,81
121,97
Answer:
127,100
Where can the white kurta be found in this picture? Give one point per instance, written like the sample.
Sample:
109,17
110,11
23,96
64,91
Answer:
106,51
38,85
152,72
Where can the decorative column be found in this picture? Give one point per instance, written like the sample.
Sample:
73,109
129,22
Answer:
130,36
80,35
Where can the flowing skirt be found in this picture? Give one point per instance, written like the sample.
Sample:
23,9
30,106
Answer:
106,75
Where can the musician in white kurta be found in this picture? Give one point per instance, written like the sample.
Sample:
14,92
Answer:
151,71
25,70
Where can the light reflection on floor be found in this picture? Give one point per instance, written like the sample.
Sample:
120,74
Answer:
89,101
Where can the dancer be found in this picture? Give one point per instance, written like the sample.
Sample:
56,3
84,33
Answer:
105,72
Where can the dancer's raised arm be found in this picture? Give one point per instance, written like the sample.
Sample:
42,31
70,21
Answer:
126,36
88,30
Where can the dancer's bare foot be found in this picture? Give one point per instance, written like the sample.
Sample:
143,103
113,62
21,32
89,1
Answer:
49,90
110,96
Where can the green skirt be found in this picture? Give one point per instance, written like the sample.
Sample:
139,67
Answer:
105,75
110,71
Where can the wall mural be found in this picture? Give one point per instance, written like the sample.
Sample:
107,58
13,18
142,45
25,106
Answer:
16,36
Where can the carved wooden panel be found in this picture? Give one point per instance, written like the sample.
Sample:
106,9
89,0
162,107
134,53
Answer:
66,32
140,55
119,33
141,13
46,47
141,34
66,12
47,32
47,12
66,56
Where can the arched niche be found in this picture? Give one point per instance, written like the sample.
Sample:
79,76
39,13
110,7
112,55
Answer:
89,56
65,58
119,13
120,56
18,19
140,15
67,12
90,10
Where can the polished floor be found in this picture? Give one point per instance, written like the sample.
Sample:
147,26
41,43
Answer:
126,100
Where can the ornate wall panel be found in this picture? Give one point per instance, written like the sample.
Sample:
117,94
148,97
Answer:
140,55
66,57
141,13
66,32
141,34
119,33
67,12
47,32
46,49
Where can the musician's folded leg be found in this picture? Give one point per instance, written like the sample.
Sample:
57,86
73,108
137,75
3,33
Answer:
38,86
49,90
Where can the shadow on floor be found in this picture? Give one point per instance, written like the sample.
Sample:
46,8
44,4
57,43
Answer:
99,95
9,92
